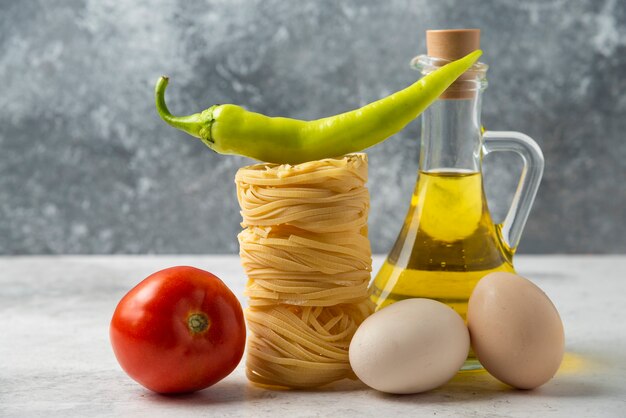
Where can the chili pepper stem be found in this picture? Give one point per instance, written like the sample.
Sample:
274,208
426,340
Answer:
198,124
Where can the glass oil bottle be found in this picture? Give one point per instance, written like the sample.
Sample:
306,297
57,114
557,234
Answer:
448,241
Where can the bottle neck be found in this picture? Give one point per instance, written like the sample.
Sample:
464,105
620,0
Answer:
451,128
452,135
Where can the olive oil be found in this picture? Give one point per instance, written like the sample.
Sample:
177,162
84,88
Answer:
448,242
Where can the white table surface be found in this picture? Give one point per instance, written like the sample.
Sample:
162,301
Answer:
56,360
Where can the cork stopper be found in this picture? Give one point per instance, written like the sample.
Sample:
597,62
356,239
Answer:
452,44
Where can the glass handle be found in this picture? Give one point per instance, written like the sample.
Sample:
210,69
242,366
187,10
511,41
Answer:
528,185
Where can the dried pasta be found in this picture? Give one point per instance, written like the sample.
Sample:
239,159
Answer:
308,260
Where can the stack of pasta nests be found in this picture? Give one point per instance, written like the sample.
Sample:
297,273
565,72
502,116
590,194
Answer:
308,259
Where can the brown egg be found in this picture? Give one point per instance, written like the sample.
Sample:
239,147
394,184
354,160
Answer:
515,330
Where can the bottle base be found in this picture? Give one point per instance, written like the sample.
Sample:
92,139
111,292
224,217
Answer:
471,364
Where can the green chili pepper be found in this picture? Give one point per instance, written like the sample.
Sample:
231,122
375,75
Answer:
230,129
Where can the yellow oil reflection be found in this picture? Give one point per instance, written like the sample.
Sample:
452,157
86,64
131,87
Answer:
572,363
576,363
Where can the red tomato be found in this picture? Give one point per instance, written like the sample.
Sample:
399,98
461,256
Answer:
179,330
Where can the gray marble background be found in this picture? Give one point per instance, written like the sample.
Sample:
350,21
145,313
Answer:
86,166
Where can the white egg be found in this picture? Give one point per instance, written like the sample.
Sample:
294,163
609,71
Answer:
411,346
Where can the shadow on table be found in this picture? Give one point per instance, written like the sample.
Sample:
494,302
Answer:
578,377
223,392
237,391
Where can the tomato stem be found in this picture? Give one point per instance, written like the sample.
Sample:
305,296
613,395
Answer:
198,323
